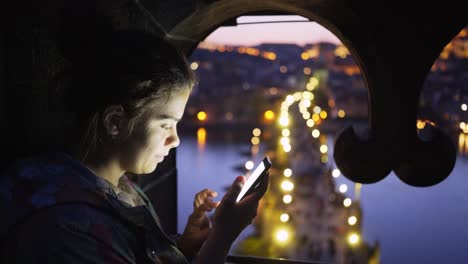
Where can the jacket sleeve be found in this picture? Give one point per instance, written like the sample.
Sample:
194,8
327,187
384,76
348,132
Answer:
75,233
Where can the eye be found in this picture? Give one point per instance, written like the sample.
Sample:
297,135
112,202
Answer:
167,127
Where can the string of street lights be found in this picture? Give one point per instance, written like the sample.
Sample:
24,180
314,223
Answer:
312,119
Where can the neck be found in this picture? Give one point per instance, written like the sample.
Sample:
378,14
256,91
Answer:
110,170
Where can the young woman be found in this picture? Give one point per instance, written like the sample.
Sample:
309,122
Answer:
79,207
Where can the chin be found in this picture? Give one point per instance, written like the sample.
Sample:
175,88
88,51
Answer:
145,169
150,169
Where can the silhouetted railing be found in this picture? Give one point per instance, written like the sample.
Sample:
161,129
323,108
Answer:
258,260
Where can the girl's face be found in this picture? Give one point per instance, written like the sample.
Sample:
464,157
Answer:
151,141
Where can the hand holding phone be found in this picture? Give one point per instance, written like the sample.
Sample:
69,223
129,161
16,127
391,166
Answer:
260,172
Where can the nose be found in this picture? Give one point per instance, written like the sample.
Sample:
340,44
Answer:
173,140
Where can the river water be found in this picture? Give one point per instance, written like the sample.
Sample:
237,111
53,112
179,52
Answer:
412,225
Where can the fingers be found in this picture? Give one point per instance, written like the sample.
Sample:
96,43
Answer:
201,210
231,196
211,203
199,216
205,196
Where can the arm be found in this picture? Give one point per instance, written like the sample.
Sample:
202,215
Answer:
198,225
229,220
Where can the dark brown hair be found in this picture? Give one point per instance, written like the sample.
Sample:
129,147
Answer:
136,70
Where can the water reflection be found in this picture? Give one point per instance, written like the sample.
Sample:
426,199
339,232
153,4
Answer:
201,139
463,144
428,222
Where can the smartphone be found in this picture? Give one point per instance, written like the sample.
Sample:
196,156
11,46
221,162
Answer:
260,172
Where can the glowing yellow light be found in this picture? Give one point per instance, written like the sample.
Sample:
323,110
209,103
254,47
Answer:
201,138
304,105
314,81
282,236
352,220
307,71
336,173
323,115
464,107
255,140
317,109
420,124
341,51
343,188
201,116
284,141
285,132
287,185
284,120
323,149
315,117
310,123
284,218
287,172
307,96
315,133
324,159
269,55
353,239
283,69
194,65
310,86
314,52
462,125
347,202
306,115
249,165
289,99
297,96
287,148
304,56
257,132
463,143
273,90
269,115
287,199
253,51
341,113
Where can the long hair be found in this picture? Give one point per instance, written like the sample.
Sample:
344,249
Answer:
134,69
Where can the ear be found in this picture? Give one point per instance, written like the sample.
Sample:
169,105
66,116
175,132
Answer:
113,118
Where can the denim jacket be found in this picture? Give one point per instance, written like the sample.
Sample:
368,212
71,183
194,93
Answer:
55,210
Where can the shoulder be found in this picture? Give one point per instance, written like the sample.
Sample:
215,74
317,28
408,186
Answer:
81,217
77,233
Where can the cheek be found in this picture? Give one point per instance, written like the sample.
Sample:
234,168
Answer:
153,146
156,141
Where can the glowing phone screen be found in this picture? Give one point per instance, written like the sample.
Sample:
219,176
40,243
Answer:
251,181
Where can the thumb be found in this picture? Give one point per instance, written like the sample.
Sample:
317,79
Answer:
234,190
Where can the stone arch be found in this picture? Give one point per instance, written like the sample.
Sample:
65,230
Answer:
337,18
369,154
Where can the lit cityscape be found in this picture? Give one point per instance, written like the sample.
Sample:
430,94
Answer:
306,214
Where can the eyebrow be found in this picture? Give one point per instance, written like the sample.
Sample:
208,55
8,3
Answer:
166,116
